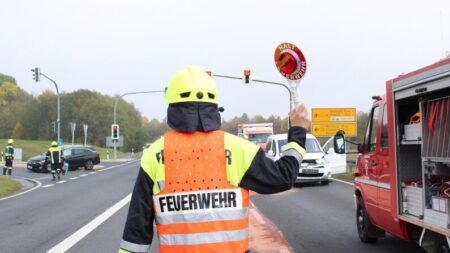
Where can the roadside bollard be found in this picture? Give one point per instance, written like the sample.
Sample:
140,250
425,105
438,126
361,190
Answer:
107,154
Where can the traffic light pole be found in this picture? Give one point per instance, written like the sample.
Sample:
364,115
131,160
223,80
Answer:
58,121
115,109
265,82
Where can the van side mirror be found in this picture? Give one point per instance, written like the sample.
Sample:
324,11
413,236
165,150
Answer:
270,153
339,143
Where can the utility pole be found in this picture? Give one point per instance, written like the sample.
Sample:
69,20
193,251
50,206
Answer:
36,76
115,109
264,82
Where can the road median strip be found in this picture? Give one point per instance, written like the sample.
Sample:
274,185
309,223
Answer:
264,235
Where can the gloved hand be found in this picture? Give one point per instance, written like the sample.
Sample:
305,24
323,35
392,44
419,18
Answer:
299,117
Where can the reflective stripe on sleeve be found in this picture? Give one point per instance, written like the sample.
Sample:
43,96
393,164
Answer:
211,215
293,146
133,247
203,238
294,153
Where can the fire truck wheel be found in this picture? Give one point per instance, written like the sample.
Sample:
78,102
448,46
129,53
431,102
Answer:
442,247
363,223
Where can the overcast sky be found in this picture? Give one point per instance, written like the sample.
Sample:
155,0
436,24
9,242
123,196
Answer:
352,47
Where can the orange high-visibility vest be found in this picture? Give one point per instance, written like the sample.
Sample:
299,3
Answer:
197,209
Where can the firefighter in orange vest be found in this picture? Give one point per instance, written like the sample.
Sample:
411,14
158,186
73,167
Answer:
194,181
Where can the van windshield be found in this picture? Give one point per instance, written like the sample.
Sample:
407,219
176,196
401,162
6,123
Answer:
258,138
312,146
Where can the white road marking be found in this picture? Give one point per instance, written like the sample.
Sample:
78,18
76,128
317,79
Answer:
61,182
83,175
38,184
90,173
39,178
341,181
115,166
73,178
88,228
48,185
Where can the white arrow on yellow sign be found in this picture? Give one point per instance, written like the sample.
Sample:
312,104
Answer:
333,115
327,130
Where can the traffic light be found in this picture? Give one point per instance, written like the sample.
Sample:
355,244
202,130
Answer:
53,126
115,131
36,74
247,78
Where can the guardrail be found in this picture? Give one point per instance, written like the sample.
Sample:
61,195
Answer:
351,164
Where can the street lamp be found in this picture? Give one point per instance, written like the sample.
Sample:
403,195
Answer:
36,77
115,108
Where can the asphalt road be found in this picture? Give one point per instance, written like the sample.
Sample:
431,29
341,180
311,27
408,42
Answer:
315,218
312,218
40,219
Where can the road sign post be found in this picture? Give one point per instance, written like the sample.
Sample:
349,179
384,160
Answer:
72,128
85,128
327,121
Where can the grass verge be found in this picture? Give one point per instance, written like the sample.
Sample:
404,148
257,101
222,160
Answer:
8,186
347,177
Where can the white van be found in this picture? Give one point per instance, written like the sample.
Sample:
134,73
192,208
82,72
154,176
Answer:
313,167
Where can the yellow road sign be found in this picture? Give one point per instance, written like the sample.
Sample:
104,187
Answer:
334,115
328,130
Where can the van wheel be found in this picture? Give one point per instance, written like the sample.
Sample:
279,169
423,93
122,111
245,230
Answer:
89,165
325,182
363,223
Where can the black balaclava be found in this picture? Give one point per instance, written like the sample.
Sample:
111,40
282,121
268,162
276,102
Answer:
189,117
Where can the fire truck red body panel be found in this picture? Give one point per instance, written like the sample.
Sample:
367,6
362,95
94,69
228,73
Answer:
377,179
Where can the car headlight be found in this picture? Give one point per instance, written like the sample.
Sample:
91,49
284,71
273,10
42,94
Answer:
42,161
320,161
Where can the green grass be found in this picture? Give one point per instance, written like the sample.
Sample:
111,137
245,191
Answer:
32,148
347,177
102,152
8,186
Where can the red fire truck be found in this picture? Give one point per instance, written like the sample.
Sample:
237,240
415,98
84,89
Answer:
402,180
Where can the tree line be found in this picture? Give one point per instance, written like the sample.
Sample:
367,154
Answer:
24,116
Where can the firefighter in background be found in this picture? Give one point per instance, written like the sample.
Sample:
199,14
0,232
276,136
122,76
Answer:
194,181
8,154
55,155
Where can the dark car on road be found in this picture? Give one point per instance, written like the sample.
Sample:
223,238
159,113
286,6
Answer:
75,156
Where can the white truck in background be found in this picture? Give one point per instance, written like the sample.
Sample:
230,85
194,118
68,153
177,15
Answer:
256,133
